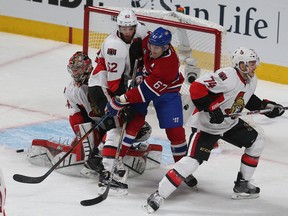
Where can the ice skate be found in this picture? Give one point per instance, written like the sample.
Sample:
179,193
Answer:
244,189
92,167
117,183
116,187
191,181
154,201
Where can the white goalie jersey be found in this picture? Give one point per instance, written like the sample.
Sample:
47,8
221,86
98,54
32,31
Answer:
77,97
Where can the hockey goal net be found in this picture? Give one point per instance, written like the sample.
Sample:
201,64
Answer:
203,40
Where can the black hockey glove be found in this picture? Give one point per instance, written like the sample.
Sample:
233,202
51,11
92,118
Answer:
216,116
277,109
127,114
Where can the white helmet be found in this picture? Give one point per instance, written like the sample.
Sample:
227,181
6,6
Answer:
126,17
245,55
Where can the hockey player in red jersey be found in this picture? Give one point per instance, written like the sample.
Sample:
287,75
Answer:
227,91
161,84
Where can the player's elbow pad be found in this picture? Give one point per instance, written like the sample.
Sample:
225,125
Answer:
202,103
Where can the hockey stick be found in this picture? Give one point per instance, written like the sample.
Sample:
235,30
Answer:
36,180
133,79
251,112
103,196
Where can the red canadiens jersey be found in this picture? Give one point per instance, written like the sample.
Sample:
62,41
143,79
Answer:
162,76
231,92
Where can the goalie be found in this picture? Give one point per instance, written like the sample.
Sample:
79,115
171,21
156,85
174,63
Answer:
82,116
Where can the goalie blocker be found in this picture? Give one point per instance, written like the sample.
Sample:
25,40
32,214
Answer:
47,152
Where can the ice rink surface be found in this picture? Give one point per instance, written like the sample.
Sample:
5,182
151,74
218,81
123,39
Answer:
32,105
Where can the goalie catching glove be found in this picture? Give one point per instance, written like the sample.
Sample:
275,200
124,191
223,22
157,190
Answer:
276,109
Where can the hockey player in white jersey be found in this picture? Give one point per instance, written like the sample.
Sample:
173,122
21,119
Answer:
227,91
82,116
115,63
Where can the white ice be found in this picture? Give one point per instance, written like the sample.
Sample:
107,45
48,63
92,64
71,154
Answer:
33,73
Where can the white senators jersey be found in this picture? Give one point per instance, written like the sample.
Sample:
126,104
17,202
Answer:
113,60
77,96
230,92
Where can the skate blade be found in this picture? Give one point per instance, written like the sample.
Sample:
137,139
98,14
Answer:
148,208
114,191
194,188
240,196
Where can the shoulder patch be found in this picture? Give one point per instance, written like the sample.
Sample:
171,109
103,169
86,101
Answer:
222,76
111,51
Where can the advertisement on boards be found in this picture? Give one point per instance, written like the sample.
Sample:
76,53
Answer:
248,23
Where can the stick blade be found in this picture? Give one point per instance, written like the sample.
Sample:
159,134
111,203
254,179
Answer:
27,179
96,200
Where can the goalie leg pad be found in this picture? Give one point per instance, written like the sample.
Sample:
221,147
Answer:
145,156
47,153
88,143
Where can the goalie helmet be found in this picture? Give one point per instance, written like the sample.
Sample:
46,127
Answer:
144,133
80,67
245,55
126,17
160,37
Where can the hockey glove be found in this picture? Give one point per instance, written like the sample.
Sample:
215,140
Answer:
127,114
277,109
216,116
139,77
114,106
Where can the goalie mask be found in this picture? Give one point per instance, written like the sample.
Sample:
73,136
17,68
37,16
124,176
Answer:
245,55
144,133
80,67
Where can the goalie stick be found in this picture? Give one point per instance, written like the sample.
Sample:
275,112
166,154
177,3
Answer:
251,112
103,196
36,180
